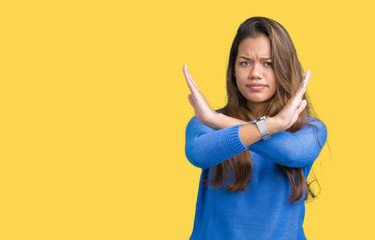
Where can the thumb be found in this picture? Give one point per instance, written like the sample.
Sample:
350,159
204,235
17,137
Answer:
190,97
302,106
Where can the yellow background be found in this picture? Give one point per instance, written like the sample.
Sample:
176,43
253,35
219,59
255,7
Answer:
94,107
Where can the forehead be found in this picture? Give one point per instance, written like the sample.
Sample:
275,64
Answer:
259,46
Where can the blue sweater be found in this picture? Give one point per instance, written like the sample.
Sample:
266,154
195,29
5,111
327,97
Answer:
261,212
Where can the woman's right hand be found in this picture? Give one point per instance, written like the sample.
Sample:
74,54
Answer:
289,114
202,108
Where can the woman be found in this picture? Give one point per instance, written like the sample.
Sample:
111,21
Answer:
266,121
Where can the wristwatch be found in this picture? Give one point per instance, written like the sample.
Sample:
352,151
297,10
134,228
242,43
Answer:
262,127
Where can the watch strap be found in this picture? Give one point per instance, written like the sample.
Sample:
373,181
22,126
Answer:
262,127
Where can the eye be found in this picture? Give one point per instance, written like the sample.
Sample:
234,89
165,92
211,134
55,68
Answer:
268,64
241,63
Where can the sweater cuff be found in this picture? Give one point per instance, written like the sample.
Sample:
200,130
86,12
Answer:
235,140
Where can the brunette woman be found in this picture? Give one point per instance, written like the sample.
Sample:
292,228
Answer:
257,151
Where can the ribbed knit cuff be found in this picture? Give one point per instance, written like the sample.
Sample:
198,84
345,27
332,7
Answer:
235,140
253,146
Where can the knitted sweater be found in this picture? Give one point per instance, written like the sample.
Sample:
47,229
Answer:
261,212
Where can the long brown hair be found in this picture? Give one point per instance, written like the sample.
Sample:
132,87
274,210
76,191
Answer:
288,73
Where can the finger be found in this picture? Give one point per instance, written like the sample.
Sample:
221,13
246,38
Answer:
191,77
302,106
307,76
303,85
299,104
192,86
190,97
189,83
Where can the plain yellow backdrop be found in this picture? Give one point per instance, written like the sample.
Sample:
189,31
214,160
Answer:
94,108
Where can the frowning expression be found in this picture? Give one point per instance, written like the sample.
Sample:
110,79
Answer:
254,73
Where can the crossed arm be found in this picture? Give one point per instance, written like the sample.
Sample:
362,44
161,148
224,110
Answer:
206,147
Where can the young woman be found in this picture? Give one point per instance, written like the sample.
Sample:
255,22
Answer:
257,151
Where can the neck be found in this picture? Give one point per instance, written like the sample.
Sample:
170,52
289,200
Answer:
257,110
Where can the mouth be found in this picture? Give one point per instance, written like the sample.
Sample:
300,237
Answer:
256,86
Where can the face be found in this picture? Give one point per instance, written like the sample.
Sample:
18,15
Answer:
253,70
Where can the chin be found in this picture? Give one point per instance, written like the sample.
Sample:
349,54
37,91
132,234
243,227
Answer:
258,100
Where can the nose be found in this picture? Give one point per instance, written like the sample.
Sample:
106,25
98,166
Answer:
255,71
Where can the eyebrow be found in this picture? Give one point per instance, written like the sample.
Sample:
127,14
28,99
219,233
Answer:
250,59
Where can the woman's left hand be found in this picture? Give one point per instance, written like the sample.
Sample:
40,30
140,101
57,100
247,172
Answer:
202,109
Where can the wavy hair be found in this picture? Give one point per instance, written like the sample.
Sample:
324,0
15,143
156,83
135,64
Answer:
288,73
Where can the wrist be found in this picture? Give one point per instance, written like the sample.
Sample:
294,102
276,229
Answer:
212,119
273,125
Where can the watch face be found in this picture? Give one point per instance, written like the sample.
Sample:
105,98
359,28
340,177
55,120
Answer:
261,118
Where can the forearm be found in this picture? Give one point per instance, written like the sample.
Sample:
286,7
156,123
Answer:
249,133
288,149
297,149
220,121
206,147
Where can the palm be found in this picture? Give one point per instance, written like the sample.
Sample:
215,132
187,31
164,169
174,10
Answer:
289,114
202,109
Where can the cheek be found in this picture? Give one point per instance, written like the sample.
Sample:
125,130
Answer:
274,86
272,80
241,76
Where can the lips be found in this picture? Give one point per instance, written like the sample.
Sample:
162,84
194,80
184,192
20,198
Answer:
255,85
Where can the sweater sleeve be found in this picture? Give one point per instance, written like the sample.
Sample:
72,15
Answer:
297,149
206,147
